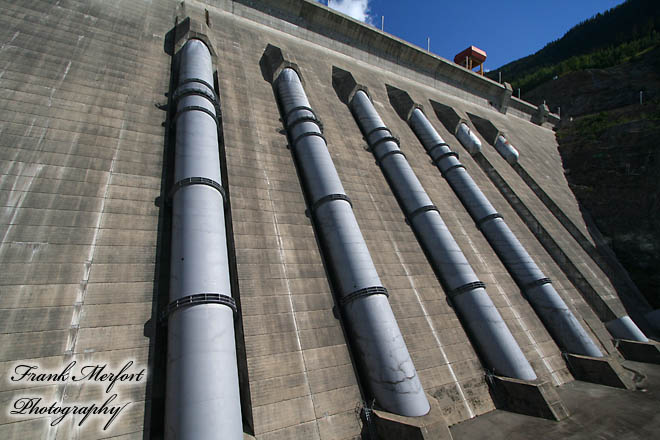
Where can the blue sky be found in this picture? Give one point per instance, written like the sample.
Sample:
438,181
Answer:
505,29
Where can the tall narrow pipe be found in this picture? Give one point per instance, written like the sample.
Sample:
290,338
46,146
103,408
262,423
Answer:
202,397
556,316
381,353
492,337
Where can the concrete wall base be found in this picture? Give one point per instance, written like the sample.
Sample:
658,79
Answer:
431,426
538,399
648,352
603,371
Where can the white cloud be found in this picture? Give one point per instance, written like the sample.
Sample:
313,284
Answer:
358,9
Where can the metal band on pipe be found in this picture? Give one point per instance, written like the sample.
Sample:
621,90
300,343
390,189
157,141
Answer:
195,108
308,133
537,283
197,181
383,139
366,136
197,80
441,144
442,156
199,299
389,153
421,210
208,94
302,119
295,109
444,173
489,217
330,198
466,288
367,291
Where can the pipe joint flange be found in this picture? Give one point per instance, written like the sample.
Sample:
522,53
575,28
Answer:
196,108
295,109
420,210
184,90
451,168
466,288
302,119
366,136
308,133
196,80
441,144
444,156
479,223
367,291
384,139
199,299
197,181
330,198
389,153
529,286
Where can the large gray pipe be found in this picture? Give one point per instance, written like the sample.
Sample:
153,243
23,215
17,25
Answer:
381,352
556,316
495,343
469,140
202,398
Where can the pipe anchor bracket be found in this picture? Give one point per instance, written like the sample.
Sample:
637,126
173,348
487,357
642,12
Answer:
197,181
367,291
196,300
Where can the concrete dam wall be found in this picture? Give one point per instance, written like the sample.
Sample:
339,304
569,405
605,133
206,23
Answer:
366,293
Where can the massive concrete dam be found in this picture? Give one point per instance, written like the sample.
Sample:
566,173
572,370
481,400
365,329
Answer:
260,219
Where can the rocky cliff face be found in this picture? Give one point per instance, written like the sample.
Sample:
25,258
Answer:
595,90
609,144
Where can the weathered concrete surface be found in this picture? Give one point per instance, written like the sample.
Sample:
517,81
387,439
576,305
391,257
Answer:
596,412
82,157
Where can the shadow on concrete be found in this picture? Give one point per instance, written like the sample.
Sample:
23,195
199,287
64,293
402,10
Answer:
597,412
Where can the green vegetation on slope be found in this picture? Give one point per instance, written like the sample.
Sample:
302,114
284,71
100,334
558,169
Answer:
616,36
600,59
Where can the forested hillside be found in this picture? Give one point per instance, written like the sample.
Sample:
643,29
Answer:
608,135
618,35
